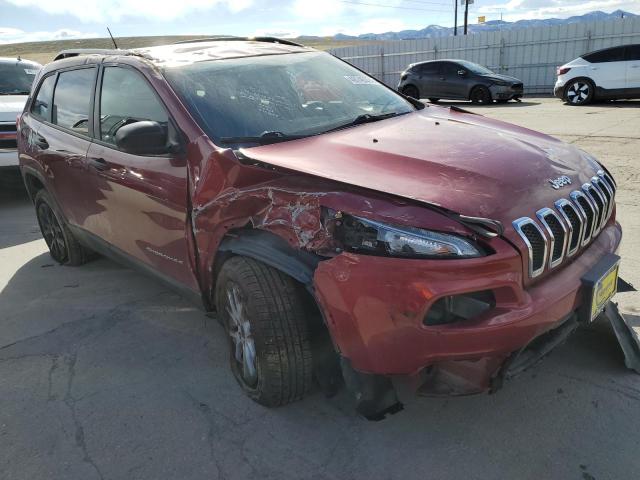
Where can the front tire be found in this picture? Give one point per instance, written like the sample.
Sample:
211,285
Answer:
579,92
64,248
480,95
263,312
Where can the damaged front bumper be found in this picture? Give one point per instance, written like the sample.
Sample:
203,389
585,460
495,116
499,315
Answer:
375,308
506,92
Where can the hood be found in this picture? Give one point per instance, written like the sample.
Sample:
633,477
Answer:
463,162
501,78
11,106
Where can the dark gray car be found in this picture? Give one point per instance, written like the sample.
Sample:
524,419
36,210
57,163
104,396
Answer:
458,80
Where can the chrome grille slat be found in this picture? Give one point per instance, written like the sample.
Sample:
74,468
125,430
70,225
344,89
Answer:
596,200
557,235
588,212
574,222
537,261
606,198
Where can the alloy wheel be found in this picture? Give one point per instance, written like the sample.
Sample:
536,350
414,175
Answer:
239,328
52,232
578,93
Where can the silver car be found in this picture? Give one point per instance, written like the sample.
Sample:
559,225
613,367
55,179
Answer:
16,77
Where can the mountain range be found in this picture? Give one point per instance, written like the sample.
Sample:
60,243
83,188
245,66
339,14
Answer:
493,25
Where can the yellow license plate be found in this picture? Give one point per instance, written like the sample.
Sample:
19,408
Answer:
603,291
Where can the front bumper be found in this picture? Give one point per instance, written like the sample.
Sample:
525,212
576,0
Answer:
506,92
375,306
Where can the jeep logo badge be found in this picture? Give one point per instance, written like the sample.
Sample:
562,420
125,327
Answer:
560,182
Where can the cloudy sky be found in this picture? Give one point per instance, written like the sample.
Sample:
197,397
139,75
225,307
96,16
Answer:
32,20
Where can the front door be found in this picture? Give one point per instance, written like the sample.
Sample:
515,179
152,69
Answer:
139,202
454,83
632,56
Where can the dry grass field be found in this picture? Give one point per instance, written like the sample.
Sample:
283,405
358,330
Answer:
43,52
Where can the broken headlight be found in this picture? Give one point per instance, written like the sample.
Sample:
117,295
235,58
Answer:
360,235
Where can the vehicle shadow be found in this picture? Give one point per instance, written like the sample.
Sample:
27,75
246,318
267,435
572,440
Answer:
18,223
109,356
616,104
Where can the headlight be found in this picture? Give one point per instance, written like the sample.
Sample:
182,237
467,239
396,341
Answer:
500,83
368,236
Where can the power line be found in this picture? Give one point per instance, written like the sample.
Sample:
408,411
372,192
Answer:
397,7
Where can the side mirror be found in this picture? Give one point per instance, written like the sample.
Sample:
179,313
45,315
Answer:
143,138
462,73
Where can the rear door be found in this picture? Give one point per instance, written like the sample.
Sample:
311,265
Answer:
59,135
608,68
139,202
430,85
632,56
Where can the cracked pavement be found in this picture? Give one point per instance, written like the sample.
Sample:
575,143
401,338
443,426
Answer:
106,374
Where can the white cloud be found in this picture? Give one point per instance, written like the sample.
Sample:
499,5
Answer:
113,10
15,35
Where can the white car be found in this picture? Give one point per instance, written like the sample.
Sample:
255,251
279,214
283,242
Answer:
608,74
16,77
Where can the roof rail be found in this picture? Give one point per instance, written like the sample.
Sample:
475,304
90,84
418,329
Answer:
76,52
231,38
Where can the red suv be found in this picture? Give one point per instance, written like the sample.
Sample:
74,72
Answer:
340,230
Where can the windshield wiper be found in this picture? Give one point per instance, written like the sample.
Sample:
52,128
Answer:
264,139
366,118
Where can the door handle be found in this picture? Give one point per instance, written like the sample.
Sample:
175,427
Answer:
99,163
594,68
40,142
635,66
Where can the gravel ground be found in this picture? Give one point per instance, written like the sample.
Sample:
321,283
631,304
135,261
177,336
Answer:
105,374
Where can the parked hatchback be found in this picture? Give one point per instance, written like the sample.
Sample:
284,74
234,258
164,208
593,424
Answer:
341,231
608,74
458,80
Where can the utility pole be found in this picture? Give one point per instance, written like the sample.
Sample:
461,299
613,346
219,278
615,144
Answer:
455,18
466,15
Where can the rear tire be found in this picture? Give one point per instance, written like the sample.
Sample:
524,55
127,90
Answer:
63,246
411,91
579,92
480,95
264,314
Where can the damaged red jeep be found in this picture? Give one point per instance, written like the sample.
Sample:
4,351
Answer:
341,231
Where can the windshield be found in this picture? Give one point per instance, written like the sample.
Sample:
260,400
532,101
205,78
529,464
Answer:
280,96
16,78
474,67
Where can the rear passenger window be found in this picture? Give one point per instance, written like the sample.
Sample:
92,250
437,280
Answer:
41,107
126,98
633,52
72,99
428,68
609,55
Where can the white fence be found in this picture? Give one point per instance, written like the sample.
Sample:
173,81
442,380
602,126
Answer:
531,54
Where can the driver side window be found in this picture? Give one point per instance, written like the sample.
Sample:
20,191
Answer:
126,98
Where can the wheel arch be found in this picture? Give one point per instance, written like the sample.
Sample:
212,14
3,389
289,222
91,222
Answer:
300,265
33,181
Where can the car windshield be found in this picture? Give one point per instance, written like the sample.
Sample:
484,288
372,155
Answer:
16,78
254,100
474,67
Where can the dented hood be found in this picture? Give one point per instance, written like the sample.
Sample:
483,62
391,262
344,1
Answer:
463,162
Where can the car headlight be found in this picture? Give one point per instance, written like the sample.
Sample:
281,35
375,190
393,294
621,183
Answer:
361,235
500,83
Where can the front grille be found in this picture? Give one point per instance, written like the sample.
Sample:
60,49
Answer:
7,127
575,222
